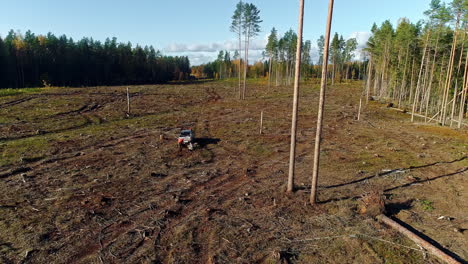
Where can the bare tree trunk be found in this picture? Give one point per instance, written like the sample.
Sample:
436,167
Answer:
359,110
369,78
465,88
441,88
333,71
382,76
323,86
297,75
456,83
431,79
240,66
269,72
376,77
261,122
347,71
449,73
418,85
403,82
128,102
246,64
412,82
425,81
276,75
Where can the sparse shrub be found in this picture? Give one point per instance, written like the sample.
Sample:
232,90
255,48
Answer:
426,205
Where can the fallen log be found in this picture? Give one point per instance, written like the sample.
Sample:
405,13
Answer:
418,240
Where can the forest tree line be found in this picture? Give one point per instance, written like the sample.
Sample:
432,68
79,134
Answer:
278,60
422,66
31,60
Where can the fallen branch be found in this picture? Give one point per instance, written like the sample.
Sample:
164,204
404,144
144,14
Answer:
418,240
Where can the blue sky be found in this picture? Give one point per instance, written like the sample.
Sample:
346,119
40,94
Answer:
195,28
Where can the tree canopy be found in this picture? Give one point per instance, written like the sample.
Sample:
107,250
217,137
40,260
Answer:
31,60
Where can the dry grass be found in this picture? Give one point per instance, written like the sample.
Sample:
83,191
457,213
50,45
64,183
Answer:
113,190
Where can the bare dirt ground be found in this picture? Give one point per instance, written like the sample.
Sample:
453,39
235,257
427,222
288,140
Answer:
82,182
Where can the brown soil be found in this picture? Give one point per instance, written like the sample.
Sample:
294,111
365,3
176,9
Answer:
82,182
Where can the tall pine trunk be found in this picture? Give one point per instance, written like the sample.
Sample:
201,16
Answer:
448,82
455,96
323,85
418,84
464,92
292,154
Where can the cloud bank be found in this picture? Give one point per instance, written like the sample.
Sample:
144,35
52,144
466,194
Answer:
200,53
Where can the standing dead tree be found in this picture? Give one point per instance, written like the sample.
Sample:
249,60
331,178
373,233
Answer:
323,86
261,122
292,153
128,102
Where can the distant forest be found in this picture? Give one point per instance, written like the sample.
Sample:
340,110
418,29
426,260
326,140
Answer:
31,60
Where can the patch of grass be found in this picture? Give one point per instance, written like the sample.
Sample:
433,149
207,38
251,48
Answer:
33,148
10,92
396,255
426,205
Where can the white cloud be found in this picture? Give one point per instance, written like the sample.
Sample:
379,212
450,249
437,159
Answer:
361,37
200,53
230,45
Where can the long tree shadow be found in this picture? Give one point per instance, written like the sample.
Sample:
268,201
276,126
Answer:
430,240
394,171
426,180
399,186
395,208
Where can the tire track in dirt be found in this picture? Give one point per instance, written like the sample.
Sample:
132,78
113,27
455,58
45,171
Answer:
70,155
18,101
193,200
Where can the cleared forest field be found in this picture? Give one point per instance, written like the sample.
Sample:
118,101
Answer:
83,182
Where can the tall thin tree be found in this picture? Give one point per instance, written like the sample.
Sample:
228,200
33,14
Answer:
297,77
251,28
237,27
271,49
323,86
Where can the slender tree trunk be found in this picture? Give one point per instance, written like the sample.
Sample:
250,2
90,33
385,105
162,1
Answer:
449,73
276,75
333,71
456,83
418,85
411,83
246,65
323,85
369,78
465,88
270,66
292,154
348,68
403,82
428,96
376,77
240,66
425,81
